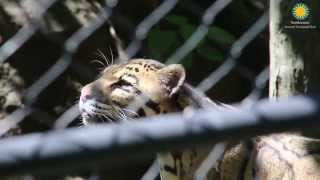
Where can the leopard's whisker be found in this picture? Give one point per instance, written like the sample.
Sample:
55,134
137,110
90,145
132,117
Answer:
101,105
130,111
111,53
104,57
99,62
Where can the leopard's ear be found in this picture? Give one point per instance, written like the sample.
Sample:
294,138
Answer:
172,77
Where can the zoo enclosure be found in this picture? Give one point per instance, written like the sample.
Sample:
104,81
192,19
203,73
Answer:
252,118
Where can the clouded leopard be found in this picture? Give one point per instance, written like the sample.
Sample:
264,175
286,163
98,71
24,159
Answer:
161,87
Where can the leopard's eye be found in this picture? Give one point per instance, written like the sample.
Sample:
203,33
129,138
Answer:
121,83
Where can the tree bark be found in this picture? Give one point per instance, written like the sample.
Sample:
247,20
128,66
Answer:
294,53
294,63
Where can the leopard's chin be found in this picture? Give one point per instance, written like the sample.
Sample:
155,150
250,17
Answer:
96,119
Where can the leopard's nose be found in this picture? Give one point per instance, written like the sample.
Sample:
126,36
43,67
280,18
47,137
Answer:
86,93
92,91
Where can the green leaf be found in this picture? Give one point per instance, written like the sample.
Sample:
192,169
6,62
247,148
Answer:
187,30
177,20
160,40
220,35
210,53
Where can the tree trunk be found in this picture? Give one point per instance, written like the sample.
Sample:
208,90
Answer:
294,52
294,63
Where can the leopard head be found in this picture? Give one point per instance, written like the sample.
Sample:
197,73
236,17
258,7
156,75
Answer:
112,96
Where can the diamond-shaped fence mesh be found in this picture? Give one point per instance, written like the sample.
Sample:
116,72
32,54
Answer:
70,147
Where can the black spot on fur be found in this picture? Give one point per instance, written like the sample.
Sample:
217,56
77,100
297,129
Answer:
136,69
129,68
153,105
141,112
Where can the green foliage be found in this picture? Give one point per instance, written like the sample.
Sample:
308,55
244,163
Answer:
164,40
177,20
187,30
210,53
159,41
220,36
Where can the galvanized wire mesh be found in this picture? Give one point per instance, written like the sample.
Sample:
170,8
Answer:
72,44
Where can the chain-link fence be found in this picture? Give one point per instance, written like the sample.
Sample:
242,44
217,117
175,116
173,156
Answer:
75,148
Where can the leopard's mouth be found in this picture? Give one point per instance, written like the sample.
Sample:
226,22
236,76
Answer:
93,112
92,118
